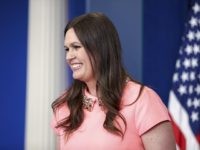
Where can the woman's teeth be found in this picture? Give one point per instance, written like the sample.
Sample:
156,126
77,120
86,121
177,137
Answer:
76,66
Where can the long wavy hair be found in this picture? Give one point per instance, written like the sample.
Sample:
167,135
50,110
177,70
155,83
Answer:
99,37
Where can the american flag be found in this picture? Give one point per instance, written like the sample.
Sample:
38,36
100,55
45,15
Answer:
184,97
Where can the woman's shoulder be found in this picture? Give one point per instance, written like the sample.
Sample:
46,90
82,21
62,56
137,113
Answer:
134,91
148,108
61,112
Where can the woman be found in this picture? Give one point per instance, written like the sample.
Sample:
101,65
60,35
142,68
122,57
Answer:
105,109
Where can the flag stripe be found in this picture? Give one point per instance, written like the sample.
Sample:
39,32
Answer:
180,139
176,111
184,97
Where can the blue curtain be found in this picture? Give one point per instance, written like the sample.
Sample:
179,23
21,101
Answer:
163,24
13,55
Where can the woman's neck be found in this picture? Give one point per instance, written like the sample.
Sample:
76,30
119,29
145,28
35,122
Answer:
92,88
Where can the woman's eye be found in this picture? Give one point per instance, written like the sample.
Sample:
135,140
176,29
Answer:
73,47
76,47
66,49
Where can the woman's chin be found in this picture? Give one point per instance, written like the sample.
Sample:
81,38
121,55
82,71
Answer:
76,76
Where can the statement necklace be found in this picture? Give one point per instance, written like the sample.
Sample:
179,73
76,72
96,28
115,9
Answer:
88,103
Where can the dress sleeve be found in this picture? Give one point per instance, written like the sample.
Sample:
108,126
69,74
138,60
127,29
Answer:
150,111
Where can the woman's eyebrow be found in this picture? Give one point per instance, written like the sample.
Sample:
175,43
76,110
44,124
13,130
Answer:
74,43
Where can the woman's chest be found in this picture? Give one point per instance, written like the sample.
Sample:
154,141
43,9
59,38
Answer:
92,135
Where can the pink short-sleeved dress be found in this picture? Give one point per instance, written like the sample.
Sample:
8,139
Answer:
141,116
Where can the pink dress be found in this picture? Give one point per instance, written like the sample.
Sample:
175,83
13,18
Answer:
141,116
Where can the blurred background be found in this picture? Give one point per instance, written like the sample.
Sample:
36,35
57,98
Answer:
33,70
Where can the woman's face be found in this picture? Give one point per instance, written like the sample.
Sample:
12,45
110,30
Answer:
77,58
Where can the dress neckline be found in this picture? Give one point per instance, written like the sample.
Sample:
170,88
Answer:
89,101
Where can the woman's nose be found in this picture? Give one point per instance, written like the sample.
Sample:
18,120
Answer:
70,55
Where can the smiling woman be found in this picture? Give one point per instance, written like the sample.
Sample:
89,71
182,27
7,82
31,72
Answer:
104,100
78,58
